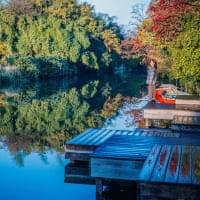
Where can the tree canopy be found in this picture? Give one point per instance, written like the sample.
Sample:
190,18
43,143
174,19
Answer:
170,35
61,29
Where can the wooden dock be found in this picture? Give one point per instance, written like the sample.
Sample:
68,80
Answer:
143,158
158,163
188,114
87,142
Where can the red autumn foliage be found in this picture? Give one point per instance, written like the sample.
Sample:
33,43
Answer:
166,16
134,47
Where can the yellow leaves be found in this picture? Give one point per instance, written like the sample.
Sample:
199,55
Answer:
144,34
64,9
85,10
147,23
3,49
38,3
2,100
111,40
111,106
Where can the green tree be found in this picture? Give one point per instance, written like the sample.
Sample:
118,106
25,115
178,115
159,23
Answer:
185,54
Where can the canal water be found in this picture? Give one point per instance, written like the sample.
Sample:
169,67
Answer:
38,176
35,174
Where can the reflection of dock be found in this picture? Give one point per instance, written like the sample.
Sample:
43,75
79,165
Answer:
148,159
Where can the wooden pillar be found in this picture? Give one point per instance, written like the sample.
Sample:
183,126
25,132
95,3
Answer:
99,189
147,123
138,191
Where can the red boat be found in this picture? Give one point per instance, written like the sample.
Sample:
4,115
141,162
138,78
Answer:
167,94
162,99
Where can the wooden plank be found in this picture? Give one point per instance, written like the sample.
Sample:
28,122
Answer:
168,114
77,156
166,107
187,120
81,137
188,101
173,165
185,128
167,111
129,146
149,164
103,139
115,169
165,191
196,165
99,189
95,134
185,175
159,170
79,148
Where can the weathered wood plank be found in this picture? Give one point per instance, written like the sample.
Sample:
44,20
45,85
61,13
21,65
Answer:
77,156
187,120
79,148
173,165
82,136
196,165
149,164
115,169
89,140
99,189
167,111
159,171
185,128
104,138
185,175
149,191
168,114
188,101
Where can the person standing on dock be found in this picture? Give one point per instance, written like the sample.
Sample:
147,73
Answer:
151,78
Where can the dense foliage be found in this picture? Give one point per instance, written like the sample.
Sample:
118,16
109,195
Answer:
55,118
170,35
56,34
43,40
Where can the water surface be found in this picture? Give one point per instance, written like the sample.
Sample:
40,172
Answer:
30,174
39,176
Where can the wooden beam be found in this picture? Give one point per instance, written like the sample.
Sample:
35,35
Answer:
167,114
188,101
99,189
148,123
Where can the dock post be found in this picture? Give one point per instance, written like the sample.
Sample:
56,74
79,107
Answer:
99,189
147,123
138,191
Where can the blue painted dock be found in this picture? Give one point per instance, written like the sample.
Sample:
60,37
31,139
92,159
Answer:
80,147
147,157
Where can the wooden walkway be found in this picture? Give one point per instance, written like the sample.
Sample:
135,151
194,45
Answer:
163,163
86,143
128,153
178,164
186,114
149,158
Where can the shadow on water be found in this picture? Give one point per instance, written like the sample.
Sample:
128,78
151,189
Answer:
128,84
79,173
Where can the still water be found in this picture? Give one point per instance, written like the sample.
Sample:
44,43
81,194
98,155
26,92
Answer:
41,177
